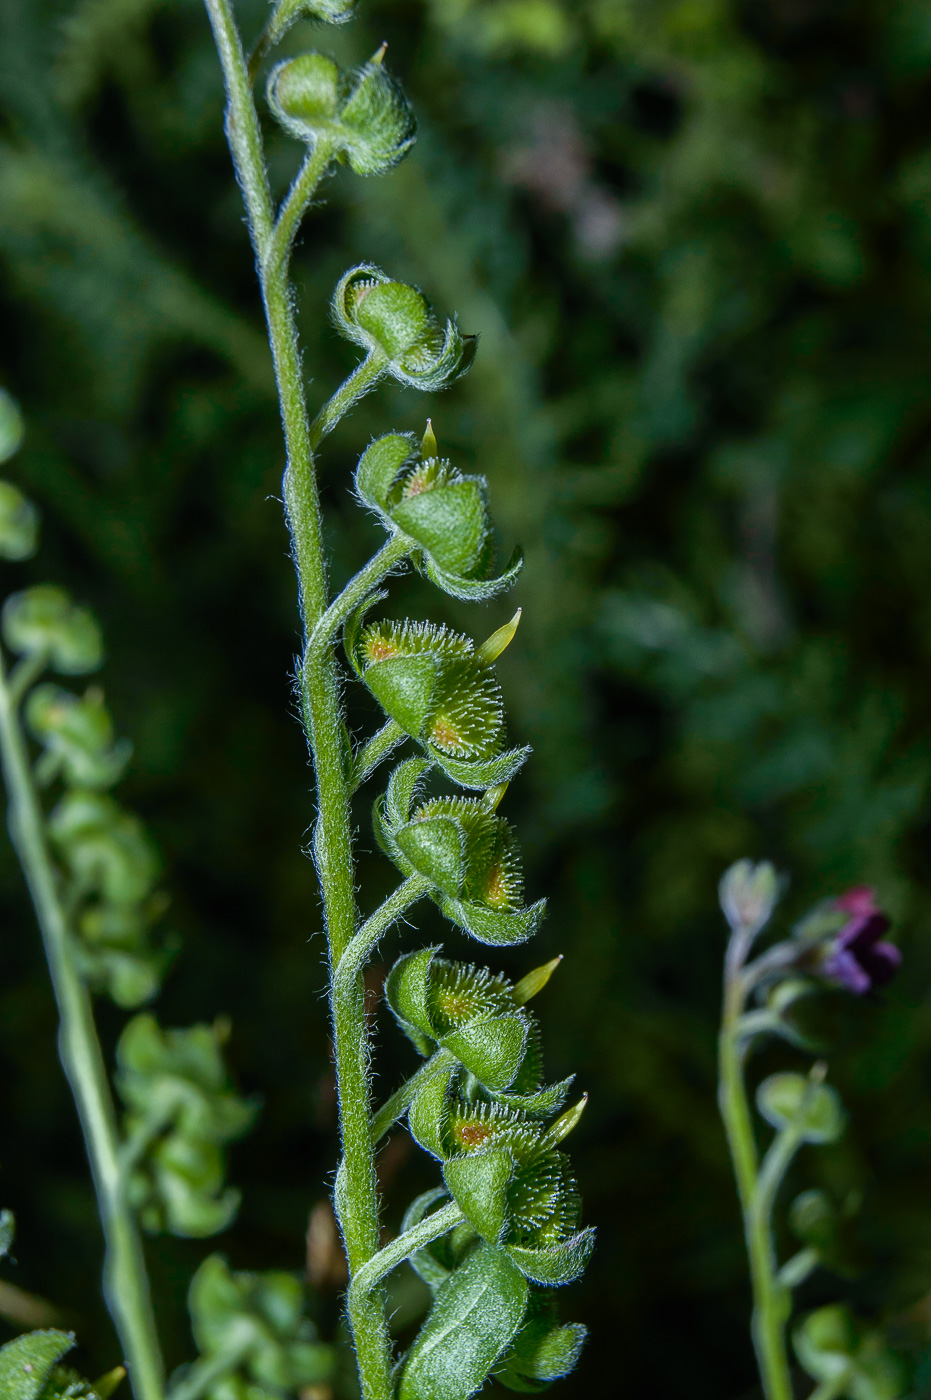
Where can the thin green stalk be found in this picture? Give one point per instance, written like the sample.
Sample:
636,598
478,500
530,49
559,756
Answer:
400,1101
395,549
125,1281
375,751
357,1205
278,249
768,1293
358,952
363,377
395,1253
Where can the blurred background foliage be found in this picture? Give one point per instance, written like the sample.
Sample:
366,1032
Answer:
695,239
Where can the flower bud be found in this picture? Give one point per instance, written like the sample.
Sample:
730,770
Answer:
394,321
44,621
748,895
19,524
363,116
11,426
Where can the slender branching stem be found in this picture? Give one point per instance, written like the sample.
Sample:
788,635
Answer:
768,1293
357,1204
395,1253
356,591
374,751
358,952
364,377
125,1280
278,250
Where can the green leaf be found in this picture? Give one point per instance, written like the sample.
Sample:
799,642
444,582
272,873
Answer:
496,927
813,1109
542,1102
555,1264
27,1362
476,590
43,619
407,988
426,1116
402,790
476,1314
435,846
379,465
491,1049
405,687
478,1182
481,773
541,1352
449,522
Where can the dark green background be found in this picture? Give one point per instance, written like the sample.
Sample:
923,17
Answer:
695,240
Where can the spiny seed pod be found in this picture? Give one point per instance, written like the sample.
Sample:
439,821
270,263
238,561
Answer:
362,117
440,690
475,1017
42,621
19,522
176,1081
77,734
444,512
393,322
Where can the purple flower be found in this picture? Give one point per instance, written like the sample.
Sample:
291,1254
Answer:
856,957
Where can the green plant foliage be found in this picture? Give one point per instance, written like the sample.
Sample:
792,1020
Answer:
181,1113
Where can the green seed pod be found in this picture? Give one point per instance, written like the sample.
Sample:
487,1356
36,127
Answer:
182,1107
19,523
394,322
106,850
362,116
44,621
78,736
11,426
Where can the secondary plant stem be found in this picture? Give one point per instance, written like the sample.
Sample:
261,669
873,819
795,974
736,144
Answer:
125,1280
357,1203
768,1293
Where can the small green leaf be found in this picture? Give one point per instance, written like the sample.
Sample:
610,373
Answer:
426,1116
476,590
491,1049
435,846
43,620
405,687
478,1182
449,522
379,466
476,1314
555,1264
496,927
541,1352
407,988
27,1362
481,773
811,1108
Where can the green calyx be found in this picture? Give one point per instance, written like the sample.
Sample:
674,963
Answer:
258,1321
543,1350
468,853
362,116
443,512
181,1112
393,322
43,621
474,1017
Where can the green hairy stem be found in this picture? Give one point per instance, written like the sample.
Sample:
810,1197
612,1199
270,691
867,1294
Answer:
125,1280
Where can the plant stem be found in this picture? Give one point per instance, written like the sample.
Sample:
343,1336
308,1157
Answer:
357,1204
768,1293
356,591
363,377
400,1101
374,751
393,1254
126,1284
